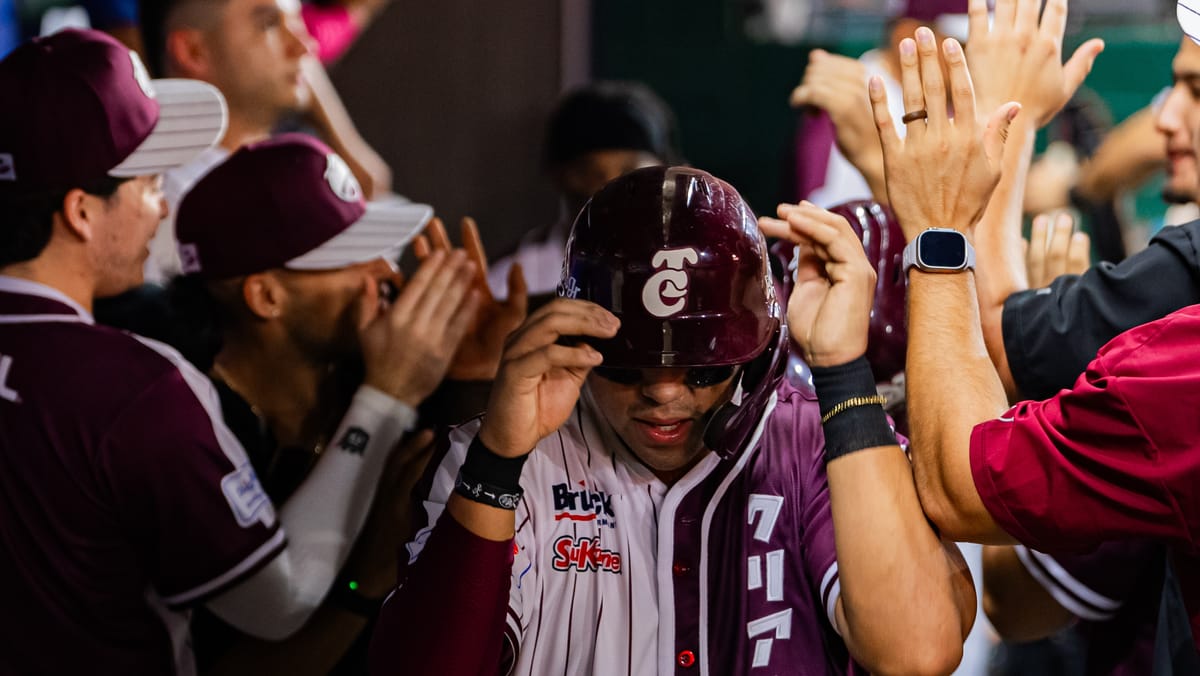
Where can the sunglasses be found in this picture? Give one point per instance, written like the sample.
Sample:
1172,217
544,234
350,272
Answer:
696,376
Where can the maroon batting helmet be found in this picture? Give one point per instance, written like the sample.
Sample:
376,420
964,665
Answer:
676,254
883,240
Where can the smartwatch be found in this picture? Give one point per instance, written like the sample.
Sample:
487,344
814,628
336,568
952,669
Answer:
939,250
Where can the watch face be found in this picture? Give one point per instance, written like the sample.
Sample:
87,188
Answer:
940,249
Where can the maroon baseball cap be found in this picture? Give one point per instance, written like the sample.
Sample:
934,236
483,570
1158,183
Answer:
948,17
288,202
79,105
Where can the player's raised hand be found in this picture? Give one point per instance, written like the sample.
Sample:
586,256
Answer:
478,355
407,345
944,171
834,84
829,312
1055,249
544,365
1017,57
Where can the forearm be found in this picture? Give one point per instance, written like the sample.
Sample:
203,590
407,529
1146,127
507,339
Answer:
1000,263
458,587
1018,607
322,519
951,387
901,607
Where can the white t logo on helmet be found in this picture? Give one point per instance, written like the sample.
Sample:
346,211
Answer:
666,291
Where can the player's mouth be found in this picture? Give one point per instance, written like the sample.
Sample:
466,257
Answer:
664,432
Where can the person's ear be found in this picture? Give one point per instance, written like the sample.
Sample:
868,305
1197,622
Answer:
188,54
264,295
78,214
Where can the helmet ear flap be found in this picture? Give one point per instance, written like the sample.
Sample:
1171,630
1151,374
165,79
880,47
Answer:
733,421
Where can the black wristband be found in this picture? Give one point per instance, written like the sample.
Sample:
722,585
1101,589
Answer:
857,427
490,479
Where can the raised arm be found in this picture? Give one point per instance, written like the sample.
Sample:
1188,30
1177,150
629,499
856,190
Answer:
1016,58
942,175
907,600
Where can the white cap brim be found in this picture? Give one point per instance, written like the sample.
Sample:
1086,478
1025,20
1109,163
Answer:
382,232
1188,13
192,118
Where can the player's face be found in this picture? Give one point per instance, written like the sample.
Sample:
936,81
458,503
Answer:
256,52
1179,122
323,307
125,222
662,416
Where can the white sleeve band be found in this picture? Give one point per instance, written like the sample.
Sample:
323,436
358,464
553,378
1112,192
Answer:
322,519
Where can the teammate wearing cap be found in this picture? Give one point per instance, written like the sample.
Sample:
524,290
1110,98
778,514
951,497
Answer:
124,499
292,276
645,494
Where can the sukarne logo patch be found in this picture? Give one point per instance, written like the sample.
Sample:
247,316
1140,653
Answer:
584,555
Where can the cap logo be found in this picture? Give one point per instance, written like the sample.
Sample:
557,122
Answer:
665,293
8,172
142,76
341,180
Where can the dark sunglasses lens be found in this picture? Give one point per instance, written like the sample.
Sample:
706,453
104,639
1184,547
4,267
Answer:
618,375
708,376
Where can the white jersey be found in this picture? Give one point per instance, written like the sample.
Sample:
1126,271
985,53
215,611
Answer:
730,569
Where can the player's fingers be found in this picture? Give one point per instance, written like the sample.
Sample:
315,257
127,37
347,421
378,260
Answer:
446,291
962,90
1076,70
437,234
414,290
910,83
1026,19
518,290
1005,15
421,247
367,308
558,319
779,229
1054,21
537,363
1058,247
978,18
463,317
932,82
1035,260
888,138
473,244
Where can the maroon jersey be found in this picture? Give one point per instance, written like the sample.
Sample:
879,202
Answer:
1116,457
732,570
123,497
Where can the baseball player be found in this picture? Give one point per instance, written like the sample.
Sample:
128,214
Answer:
124,499
646,495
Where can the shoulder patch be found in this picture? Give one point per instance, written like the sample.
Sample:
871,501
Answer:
246,497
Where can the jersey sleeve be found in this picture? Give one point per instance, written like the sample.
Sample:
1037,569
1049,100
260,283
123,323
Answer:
451,613
185,488
1113,458
1051,334
1093,586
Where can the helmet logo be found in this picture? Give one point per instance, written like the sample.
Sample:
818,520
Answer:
666,291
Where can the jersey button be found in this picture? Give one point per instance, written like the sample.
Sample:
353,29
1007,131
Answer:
686,658
680,569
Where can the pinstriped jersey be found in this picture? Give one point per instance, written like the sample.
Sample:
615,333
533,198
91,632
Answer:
729,571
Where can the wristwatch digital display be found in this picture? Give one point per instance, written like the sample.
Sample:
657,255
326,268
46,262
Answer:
939,250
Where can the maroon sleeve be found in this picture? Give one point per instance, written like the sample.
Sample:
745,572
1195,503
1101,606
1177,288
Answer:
447,618
183,485
1115,457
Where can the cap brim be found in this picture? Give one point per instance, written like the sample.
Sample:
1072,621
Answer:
1188,13
383,231
192,118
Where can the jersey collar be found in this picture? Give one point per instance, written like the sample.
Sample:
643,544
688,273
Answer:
61,307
